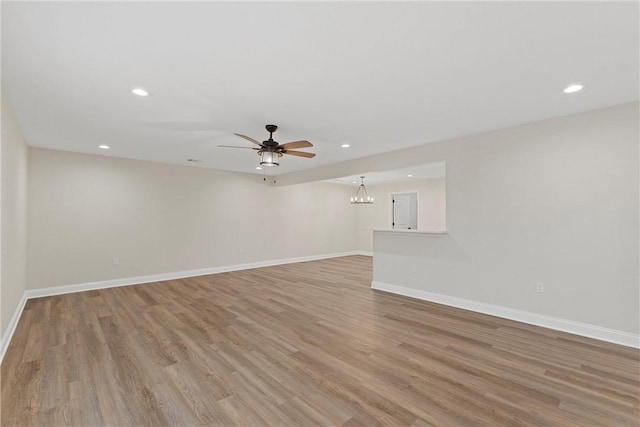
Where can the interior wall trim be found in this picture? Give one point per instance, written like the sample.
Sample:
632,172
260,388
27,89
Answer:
584,329
128,281
13,324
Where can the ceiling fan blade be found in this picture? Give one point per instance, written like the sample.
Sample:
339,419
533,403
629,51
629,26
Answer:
296,144
299,153
235,146
249,139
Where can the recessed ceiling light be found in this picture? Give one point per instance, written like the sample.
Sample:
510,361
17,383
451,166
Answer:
259,168
140,92
409,176
345,145
573,88
354,182
103,147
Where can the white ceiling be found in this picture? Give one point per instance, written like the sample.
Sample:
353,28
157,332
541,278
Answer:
414,173
378,75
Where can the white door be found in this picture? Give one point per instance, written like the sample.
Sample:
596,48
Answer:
405,211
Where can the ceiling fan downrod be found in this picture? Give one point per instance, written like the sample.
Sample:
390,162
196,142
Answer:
271,129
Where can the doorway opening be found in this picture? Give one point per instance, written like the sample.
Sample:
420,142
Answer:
404,211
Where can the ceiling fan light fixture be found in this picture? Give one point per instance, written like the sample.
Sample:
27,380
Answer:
269,158
362,196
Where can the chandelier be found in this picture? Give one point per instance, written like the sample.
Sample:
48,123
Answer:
362,197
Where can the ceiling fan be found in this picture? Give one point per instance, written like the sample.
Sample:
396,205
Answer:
270,151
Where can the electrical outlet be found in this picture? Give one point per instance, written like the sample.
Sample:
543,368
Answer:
540,287
414,268
116,261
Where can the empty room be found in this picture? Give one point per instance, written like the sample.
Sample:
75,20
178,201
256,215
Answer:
320,213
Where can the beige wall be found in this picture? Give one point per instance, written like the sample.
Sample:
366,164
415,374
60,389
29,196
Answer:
554,201
13,215
431,208
86,210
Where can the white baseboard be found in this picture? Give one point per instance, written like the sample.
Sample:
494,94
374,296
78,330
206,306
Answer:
103,284
13,323
363,253
128,281
578,328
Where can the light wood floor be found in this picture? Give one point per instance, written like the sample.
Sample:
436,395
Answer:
301,344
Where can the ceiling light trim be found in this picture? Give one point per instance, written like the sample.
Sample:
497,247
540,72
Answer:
573,88
140,91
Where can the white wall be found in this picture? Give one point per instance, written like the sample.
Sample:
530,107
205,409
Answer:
431,208
13,153
554,201
157,218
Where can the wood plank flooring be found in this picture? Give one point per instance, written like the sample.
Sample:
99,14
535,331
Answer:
296,345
